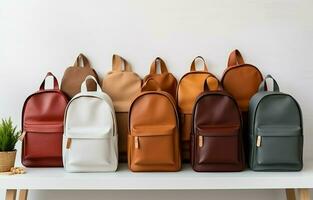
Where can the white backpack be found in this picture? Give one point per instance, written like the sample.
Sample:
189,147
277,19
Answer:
90,132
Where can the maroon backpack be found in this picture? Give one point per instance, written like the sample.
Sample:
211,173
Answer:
42,125
216,137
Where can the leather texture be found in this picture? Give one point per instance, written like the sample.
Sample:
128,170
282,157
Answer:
122,85
216,139
76,74
276,131
153,140
90,132
166,81
189,87
42,122
241,80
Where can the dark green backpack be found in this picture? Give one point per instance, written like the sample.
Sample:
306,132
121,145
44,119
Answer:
276,131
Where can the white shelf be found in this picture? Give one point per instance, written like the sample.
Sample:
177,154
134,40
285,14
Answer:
123,179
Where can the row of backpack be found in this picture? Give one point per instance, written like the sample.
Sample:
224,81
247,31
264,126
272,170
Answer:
155,123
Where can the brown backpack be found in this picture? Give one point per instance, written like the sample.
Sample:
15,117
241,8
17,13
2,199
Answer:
122,85
75,75
165,80
216,137
153,140
242,81
189,87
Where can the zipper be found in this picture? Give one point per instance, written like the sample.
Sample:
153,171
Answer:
43,128
21,138
136,142
258,141
200,141
68,143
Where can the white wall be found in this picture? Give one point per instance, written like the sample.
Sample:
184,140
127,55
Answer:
37,36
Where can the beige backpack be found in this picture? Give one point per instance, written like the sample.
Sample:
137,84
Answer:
122,85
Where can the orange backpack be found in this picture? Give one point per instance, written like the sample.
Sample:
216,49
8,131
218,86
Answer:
165,80
153,139
242,81
189,87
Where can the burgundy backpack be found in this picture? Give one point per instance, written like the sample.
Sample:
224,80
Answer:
42,125
216,136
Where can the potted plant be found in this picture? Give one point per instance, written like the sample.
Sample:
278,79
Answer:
8,138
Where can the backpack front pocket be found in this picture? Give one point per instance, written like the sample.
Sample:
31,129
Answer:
43,141
153,146
93,150
217,145
278,145
42,145
90,152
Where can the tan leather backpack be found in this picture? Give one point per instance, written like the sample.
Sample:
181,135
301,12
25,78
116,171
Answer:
165,80
242,81
153,140
75,75
122,85
189,87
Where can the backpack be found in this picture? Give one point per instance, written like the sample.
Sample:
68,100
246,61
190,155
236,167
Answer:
189,87
165,80
90,132
42,125
153,140
122,85
216,137
276,131
76,74
242,81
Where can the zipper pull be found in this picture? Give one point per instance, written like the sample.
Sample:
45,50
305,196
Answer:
258,141
200,141
68,143
21,138
136,142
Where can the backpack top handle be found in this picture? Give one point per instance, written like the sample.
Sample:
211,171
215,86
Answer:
81,61
263,86
206,85
158,62
55,82
84,88
193,64
235,58
119,64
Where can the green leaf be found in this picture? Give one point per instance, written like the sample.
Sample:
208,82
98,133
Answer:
8,135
